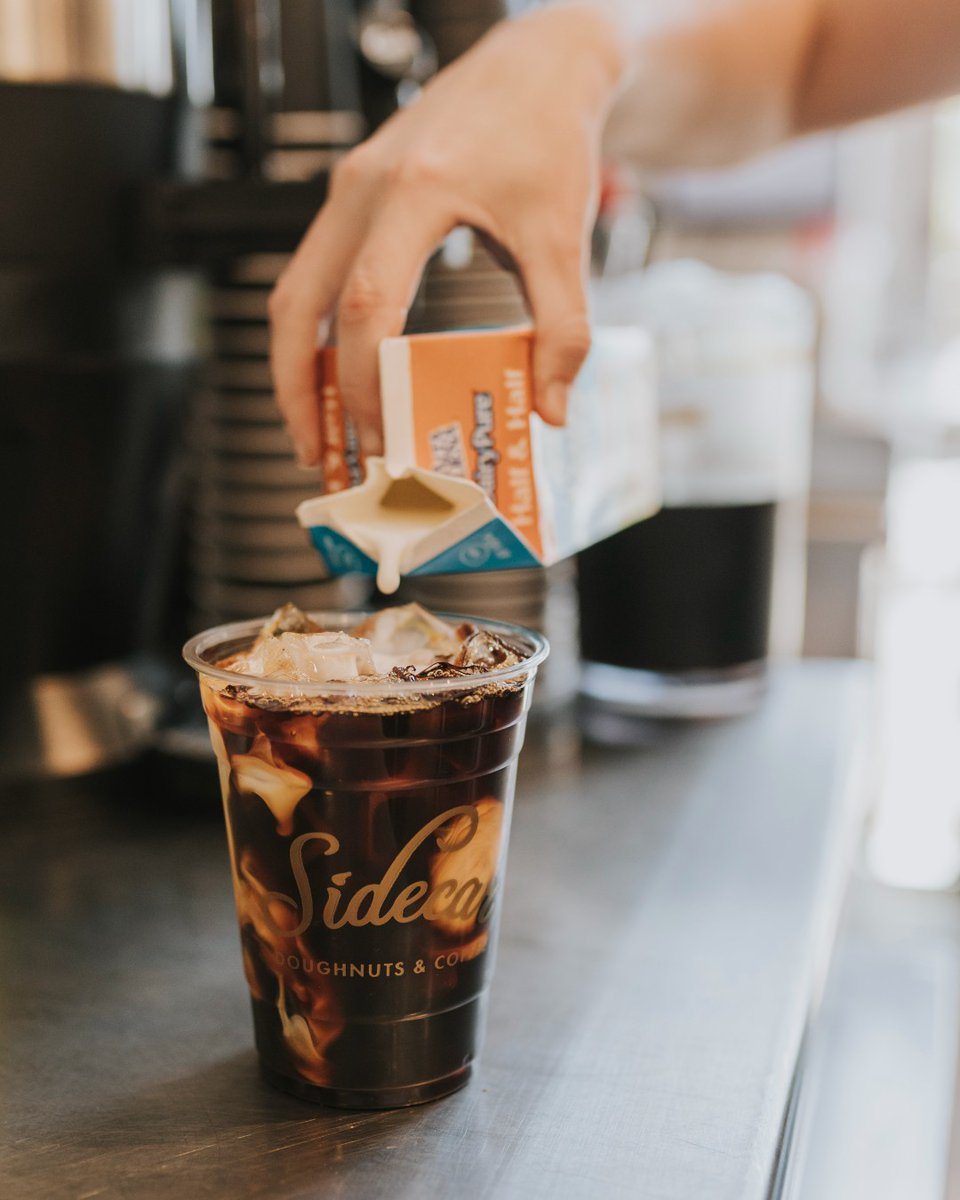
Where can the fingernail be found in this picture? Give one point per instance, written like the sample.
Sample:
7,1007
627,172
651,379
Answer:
554,408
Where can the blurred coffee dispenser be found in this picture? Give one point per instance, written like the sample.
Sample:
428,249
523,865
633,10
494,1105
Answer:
159,165
95,350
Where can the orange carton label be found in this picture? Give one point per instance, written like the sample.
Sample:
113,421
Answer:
469,416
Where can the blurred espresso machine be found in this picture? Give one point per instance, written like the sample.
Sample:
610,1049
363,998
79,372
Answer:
95,352
160,161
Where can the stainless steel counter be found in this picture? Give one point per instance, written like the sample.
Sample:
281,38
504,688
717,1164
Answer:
667,917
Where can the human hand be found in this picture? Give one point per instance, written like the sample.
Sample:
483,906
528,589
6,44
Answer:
505,140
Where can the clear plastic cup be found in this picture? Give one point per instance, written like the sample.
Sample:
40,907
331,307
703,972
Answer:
367,824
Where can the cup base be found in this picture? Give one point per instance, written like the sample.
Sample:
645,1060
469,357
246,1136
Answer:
625,693
399,1097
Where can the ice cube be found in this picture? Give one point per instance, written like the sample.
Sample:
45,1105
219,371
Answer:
488,651
287,619
320,657
266,659
408,635
307,658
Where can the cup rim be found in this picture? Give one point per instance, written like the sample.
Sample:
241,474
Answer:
234,631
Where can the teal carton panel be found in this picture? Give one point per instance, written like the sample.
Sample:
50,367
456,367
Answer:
493,547
341,556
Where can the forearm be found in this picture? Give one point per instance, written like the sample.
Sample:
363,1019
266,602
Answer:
711,81
868,57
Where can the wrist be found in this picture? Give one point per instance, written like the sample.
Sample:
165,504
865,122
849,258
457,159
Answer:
598,26
584,38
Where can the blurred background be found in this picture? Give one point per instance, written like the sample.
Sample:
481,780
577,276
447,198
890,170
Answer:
161,159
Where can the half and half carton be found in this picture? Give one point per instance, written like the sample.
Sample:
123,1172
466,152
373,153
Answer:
471,478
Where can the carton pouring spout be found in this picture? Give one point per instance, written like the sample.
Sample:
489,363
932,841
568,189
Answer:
394,518
409,496
405,511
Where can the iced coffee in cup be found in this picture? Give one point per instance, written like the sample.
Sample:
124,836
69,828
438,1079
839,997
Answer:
367,767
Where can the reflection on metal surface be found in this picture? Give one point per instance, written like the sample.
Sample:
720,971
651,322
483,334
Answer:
878,1082
82,722
314,128
117,42
623,693
393,44
914,839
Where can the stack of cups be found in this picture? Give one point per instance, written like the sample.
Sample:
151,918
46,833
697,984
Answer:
248,554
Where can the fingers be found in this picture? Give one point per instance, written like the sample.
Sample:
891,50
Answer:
375,299
300,306
367,267
554,281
